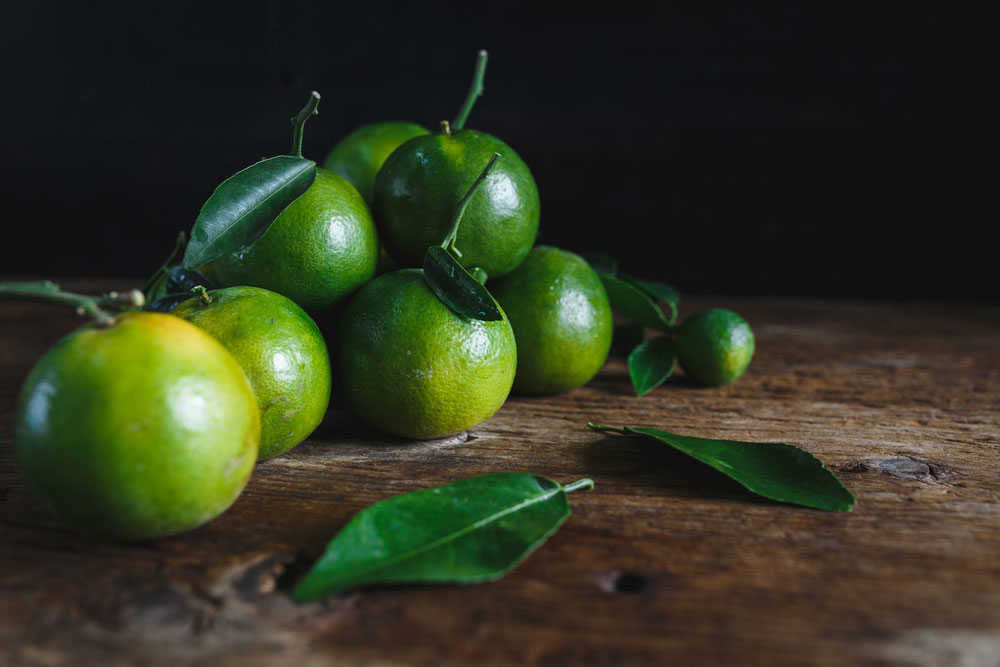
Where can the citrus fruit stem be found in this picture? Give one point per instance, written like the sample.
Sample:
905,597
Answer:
299,122
449,240
47,291
202,294
586,483
446,128
474,92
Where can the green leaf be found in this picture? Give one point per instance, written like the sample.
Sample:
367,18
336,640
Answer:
650,364
601,262
244,205
771,469
456,287
659,292
632,302
470,531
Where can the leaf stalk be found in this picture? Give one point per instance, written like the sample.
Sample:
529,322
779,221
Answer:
586,483
47,291
449,240
299,122
474,92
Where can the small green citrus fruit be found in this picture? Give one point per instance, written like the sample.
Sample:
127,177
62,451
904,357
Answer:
282,353
714,346
416,191
561,319
322,247
410,366
138,430
358,156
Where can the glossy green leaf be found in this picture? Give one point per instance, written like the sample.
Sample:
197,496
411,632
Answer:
470,531
659,292
771,469
244,205
651,363
633,303
457,288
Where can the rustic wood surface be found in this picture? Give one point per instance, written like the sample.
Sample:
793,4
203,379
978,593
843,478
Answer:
662,563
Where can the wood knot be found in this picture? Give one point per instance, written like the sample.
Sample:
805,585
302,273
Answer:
618,581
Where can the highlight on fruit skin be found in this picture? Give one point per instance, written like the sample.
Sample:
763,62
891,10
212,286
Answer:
138,428
282,352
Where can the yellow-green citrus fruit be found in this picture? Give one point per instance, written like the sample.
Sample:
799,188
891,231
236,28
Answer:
410,366
358,156
714,346
419,187
322,247
145,428
282,353
561,318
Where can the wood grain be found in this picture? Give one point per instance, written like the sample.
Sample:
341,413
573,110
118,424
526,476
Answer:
664,562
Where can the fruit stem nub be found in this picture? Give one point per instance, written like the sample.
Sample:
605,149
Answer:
299,122
474,92
449,241
47,291
202,294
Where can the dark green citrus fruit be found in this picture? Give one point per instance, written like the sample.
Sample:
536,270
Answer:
561,319
318,250
358,156
714,346
410,366
138,430
282,353
417,189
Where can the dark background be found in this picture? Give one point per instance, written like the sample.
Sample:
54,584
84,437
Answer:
728,151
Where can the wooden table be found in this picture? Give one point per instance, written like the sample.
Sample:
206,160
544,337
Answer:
664,562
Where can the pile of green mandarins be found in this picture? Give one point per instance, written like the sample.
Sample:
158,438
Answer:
413,250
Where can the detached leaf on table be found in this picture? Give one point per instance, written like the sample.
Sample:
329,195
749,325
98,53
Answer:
774,470
244,206
470,531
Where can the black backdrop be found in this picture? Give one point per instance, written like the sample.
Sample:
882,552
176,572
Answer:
736,151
